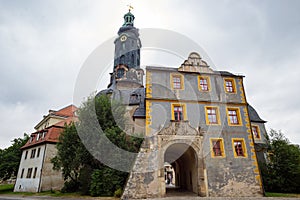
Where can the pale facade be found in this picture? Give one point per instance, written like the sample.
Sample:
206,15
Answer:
36,172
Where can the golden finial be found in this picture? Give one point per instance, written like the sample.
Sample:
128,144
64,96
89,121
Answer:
130,7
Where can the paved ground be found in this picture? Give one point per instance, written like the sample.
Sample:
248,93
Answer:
13,197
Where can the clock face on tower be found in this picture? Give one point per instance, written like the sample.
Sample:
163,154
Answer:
123,38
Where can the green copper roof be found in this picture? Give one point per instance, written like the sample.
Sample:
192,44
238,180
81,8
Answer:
128,19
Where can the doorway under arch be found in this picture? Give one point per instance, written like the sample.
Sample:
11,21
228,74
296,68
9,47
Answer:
184,160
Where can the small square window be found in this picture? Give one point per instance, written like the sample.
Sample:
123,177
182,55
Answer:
177,81
212,115
229,85
239,147
234,117
203,83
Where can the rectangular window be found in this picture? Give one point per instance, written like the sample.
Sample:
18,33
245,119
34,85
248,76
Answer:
178,115
29,172
22,173
32,153
178,112
217,147
26,154
229,85
255,132
34,173
233,116
203,83
239,147
212,115
38,152
177,81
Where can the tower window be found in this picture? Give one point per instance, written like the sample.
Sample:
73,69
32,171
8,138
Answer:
120,73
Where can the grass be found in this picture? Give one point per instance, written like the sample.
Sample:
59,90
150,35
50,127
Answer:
273,194
8,189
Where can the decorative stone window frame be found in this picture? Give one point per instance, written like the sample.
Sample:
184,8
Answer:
222,149
216,108
207,78
244,148
238,115
184,114
232,80
180,76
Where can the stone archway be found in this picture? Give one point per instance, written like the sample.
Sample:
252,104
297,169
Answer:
181,145
184,161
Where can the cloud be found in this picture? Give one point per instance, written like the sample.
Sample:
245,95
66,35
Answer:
44,44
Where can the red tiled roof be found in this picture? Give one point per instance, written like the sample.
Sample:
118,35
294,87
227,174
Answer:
48,135
66,111
52,133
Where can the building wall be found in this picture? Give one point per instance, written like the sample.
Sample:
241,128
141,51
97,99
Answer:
228,175
30,184
51,179
49,122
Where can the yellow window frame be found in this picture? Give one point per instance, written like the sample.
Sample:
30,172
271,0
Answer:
258,132
232,80
183,105
217,115
238,113
208,83
221,147
172,75
242,140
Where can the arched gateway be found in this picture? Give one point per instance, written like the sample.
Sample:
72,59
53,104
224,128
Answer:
178,144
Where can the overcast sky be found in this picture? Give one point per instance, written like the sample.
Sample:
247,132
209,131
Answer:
43,45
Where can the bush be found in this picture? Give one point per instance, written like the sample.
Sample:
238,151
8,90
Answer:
70,186
106,180
118,193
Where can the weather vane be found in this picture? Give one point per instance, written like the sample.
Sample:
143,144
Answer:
130,7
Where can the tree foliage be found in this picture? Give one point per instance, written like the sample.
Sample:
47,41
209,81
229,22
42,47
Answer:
10,158
281,173
80,169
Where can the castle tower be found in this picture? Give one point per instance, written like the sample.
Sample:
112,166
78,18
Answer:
127,73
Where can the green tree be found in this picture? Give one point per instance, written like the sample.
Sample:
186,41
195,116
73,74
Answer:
10,158
77,163
281,173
